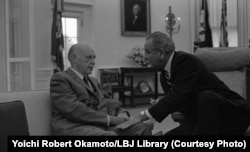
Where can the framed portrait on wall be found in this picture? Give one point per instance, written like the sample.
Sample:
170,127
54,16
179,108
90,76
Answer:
135,18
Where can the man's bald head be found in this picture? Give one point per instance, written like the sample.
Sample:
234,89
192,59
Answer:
81,58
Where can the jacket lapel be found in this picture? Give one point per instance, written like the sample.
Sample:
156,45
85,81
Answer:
76,78
164,83
166,87
96,91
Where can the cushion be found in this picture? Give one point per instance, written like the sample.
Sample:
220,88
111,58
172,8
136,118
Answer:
224,59
13,121
37,106
13,118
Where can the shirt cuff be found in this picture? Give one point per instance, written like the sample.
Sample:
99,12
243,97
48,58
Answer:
127,113
149,115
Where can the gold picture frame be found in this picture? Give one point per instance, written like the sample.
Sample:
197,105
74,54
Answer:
135,18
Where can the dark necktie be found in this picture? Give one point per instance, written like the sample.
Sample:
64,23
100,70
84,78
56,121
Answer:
85,79
167,77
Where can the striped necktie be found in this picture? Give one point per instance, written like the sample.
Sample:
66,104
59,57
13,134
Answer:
165,81
85,79
167,77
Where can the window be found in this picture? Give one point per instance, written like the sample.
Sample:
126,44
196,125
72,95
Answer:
16,62
70,34
214,7
77,27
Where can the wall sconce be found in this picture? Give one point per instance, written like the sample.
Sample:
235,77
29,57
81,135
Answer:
171,25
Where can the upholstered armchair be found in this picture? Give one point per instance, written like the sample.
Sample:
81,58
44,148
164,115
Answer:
231,65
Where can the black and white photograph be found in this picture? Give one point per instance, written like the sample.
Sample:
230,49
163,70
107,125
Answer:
76,72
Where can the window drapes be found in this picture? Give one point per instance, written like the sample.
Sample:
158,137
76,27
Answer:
214,7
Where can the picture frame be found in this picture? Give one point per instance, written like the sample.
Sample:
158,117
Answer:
135,18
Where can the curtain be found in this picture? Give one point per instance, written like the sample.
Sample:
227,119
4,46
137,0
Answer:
205,34
57,43
3,48
223,26
215,8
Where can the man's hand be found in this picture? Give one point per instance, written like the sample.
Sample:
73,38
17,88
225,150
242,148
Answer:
129,123
117,120
124,115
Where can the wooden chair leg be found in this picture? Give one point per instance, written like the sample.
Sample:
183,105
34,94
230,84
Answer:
132,99
121,98
112,94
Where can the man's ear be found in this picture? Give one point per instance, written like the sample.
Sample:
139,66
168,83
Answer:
73,58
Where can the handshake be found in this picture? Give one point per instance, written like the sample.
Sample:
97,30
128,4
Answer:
138,119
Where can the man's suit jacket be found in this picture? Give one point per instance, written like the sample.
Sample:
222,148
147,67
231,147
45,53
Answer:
76,109
189,77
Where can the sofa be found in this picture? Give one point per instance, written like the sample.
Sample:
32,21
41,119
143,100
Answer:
37,107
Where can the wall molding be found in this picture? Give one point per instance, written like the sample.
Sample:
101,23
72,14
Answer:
84,2
42,78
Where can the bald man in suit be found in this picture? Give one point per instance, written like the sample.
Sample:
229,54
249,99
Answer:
78,104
